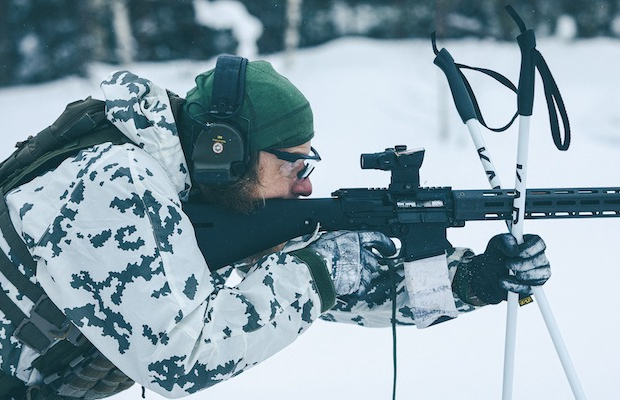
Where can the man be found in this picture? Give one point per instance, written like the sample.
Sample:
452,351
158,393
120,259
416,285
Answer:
117,255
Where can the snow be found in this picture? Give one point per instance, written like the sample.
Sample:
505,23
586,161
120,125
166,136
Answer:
368,95
233,15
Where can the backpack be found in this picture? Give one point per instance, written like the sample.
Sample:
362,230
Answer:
71,367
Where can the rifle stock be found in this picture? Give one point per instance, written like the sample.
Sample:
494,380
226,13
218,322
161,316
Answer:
418,217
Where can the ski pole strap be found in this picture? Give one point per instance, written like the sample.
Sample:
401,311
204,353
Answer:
498,77
462,92
532,61
555,104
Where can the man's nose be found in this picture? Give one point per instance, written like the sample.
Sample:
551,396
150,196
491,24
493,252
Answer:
302,187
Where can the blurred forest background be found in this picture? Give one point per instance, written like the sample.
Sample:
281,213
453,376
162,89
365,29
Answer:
42,40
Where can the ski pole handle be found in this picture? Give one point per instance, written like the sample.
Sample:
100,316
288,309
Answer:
527,44
461,97
525,95
465,107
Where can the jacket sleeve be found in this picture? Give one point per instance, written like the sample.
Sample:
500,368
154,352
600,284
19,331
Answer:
374,308
118,256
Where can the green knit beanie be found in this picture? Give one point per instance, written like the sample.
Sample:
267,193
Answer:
275,111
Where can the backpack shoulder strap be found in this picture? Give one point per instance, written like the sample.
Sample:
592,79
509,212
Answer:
72,362
78,118
83,124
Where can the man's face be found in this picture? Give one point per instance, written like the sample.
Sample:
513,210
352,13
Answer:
278,178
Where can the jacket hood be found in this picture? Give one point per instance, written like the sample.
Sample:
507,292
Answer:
141,110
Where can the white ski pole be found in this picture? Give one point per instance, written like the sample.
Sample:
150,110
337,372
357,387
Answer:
517,231
467,113
466,110
525,100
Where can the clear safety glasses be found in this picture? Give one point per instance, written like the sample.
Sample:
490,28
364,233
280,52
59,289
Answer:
297,165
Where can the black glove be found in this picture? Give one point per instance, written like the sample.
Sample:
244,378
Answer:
486,279
350,258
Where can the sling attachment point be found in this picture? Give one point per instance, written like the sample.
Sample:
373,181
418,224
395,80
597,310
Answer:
39,333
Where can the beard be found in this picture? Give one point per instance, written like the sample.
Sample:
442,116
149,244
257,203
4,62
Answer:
239,197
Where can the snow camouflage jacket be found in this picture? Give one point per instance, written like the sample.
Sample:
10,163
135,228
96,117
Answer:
117,255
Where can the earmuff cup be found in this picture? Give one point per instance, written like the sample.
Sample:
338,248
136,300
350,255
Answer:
220,154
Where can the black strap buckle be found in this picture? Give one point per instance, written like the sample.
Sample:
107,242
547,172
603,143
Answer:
39,333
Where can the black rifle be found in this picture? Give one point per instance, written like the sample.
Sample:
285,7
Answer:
417,216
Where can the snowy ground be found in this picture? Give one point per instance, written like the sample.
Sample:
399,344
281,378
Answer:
368,95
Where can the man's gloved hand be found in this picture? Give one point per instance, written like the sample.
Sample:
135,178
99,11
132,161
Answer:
487,276
350,257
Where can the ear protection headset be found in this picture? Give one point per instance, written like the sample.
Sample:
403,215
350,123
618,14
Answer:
220,153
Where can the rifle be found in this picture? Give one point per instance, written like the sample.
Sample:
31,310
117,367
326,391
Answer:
417,216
